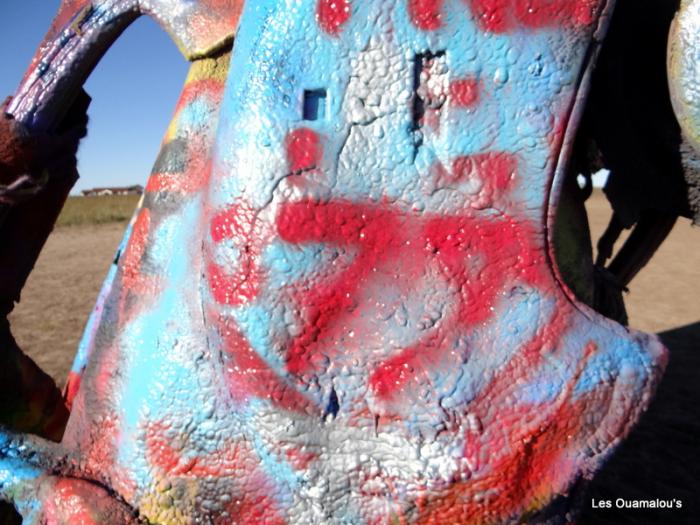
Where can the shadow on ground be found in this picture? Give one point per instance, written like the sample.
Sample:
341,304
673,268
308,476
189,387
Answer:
661,457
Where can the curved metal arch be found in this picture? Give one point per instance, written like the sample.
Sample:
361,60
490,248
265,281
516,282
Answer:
83,31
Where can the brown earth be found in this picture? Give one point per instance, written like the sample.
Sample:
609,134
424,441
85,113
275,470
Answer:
666,293
661,459
61,292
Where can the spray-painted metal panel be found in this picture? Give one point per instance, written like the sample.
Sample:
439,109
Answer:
337,303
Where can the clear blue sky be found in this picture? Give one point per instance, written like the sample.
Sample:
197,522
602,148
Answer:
134,90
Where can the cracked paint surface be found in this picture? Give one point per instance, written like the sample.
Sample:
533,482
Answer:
354,317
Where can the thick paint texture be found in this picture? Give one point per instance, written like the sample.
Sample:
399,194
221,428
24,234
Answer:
351,315
332,14
425,14
502,16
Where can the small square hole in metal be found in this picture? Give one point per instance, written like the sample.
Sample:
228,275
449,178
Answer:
430,85
315,102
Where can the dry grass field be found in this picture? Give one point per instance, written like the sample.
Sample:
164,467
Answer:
660,460
93,211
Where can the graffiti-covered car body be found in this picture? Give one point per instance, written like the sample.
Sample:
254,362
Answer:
339,301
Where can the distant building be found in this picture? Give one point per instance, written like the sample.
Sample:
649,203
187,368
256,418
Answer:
125,190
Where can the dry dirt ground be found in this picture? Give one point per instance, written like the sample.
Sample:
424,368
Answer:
61,292
661,459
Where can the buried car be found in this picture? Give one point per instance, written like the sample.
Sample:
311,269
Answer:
359,287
